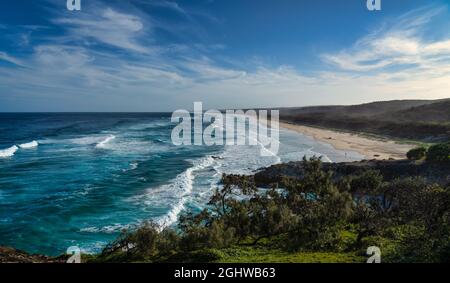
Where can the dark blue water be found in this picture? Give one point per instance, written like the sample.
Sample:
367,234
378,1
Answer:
79,179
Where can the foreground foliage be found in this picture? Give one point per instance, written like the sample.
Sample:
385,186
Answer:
315,219
436,153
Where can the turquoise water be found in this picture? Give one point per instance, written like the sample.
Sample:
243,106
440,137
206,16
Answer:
79,179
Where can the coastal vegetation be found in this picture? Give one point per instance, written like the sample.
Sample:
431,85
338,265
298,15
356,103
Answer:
319,217
439,153
436,153
417,153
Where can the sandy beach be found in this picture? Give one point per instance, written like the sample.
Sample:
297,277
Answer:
371,148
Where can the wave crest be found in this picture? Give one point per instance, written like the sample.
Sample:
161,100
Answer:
103,143
9,151
32,144
179,190
109,229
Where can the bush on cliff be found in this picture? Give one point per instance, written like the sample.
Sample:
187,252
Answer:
439,153
417,153
408,218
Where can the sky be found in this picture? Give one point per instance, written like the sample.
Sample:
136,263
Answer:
160,55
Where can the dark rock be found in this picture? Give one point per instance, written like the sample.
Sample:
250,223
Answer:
10,255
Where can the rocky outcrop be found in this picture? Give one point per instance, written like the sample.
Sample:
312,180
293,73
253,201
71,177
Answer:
10,255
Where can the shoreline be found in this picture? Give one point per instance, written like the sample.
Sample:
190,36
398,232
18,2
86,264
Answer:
370,148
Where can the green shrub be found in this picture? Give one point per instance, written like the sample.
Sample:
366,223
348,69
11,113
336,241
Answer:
147,243
417,153
367,182
407,218
432,248
388,247
206,255
439,152
196,256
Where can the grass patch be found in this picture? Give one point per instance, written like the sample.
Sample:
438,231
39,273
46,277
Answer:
259,254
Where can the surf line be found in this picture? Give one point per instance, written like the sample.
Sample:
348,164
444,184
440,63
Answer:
236,123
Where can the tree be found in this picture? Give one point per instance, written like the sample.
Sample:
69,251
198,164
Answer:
233,186
320,207
146,243
439,153
366,183
417,153
270,217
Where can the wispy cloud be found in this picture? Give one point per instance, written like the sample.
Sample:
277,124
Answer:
110,27
10,59
399,45
168,4
114,54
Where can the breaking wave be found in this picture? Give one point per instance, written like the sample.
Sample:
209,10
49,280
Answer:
32,144
103,143
183,184
8,152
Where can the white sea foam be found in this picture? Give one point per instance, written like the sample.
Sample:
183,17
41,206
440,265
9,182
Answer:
97,140
323,157
83,141
29,145
277,159
8,152
134,166
109,229
133,146
103,143
247,158
149,126
181,187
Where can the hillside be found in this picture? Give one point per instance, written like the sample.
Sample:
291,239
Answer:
422,120
438,112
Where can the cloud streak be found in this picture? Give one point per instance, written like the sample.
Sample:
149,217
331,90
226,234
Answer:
110,27
5,57
398,46
113,57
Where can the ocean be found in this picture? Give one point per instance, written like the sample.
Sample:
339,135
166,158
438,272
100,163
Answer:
79,179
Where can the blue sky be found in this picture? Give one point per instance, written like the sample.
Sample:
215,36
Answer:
156,55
